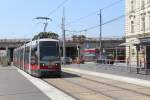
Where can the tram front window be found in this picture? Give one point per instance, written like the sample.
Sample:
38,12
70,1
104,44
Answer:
49,50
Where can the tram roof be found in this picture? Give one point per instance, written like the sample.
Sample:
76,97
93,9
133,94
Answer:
44,39
34,42
47,39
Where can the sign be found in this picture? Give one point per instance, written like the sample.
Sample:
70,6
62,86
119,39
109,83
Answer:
145,40
87,45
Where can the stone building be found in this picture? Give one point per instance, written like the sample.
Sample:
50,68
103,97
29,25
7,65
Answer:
137,31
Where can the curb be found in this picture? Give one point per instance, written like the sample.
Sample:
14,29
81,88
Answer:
130,80
50,91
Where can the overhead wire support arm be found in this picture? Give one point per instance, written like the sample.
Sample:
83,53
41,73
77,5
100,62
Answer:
114,19
93,13
112,4
54,10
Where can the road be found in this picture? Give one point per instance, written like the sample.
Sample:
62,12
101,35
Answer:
85,87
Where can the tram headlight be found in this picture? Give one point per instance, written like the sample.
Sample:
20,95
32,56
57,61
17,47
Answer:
56,65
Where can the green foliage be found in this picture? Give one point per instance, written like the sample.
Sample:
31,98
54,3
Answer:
79,38
41,35
97,50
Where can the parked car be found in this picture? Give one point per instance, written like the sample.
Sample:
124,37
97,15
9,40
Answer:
66,60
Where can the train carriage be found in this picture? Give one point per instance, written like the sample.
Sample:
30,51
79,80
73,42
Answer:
39,57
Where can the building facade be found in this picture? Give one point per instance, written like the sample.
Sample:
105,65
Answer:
75,48
110,49
137,31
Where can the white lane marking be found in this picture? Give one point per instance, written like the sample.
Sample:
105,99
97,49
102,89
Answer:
130,80
46,88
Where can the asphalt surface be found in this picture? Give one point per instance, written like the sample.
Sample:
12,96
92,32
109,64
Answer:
111,69
14,86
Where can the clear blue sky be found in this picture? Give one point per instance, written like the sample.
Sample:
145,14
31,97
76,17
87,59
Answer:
16,20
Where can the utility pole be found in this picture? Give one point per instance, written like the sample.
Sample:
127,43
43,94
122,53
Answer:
100,31
64,36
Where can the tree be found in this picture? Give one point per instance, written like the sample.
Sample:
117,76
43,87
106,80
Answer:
97,50
41,35
74,37
82,38
79,38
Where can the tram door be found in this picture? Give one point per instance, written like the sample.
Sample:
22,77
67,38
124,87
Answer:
148,56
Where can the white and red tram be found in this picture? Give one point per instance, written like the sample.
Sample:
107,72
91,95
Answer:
39,57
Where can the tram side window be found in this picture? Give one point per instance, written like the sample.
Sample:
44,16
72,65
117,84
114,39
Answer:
14,58
34,56
21,57
27,49
17,57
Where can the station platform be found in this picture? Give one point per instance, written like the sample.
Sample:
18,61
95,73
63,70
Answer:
14,86
115,72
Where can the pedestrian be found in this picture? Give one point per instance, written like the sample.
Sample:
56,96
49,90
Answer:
128,61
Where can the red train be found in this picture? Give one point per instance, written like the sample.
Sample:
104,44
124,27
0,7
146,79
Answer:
39,58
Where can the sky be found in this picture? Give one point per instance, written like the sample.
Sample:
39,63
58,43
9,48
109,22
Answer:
17,17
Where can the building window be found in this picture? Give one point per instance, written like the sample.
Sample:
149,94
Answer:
142,4
149,23
143,24
148,2
132,26
132,5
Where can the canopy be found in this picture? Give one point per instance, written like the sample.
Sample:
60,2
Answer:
128,44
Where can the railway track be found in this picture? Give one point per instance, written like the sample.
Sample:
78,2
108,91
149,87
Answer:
88,88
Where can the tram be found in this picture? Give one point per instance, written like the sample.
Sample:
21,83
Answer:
39,57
